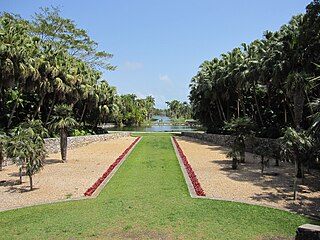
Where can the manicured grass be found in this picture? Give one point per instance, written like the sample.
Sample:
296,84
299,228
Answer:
148,199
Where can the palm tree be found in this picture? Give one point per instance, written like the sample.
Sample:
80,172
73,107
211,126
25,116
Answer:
241,129
26,147
294,148
63,121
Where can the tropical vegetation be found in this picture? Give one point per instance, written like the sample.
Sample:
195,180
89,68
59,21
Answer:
272,80
49,61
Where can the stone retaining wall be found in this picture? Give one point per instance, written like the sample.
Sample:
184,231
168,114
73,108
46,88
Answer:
227,140
53,144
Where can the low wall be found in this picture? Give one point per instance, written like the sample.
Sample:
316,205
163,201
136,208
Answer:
53,144
227,140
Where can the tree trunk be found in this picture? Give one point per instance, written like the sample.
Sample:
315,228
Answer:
1,158
285,111
39,106
63,143
51,108
262,164
31,184
20,175
295,181
83,111
298,100
234,163
12,113
256,102
221,108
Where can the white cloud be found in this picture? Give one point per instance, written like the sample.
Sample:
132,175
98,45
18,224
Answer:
132,66
165,78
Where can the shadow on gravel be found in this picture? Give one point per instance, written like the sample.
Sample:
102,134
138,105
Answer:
276,181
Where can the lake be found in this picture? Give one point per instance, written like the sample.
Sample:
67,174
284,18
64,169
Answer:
162,124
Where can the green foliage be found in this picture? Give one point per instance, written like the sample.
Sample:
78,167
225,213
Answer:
241,129
177,109
26,147
295,146
270,80
63,118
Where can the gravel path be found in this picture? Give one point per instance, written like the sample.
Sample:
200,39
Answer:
57,180
274,188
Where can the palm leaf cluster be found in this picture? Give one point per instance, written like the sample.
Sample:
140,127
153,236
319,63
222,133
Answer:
272,80
25,146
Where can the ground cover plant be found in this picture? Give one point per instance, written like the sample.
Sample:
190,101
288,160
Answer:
148,199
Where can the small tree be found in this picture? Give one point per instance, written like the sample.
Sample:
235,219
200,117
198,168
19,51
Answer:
62,121
294,148
26,148
241,129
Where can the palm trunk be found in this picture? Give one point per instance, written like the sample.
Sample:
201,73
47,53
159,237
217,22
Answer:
221,108
1,158
51,108
63,143
219,112
39,107
295,181
83,111
31,184
12,113
298,100
256,102
285,111
262,164
20,175
234,163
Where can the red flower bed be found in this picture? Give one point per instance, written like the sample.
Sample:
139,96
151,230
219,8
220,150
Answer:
187,166
91,190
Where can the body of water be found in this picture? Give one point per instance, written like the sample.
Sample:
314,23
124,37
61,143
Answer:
155,128
162,124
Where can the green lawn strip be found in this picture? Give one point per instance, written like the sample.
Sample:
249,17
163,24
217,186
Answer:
148,199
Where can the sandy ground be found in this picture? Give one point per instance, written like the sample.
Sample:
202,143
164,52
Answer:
58,180
273,188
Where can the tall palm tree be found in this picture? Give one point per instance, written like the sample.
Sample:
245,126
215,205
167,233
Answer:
62,121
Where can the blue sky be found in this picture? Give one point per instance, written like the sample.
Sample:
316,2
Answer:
158,45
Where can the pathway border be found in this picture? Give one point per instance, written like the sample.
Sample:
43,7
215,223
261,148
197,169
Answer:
192,181
96,188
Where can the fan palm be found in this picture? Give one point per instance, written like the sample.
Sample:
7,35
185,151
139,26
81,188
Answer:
62,121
